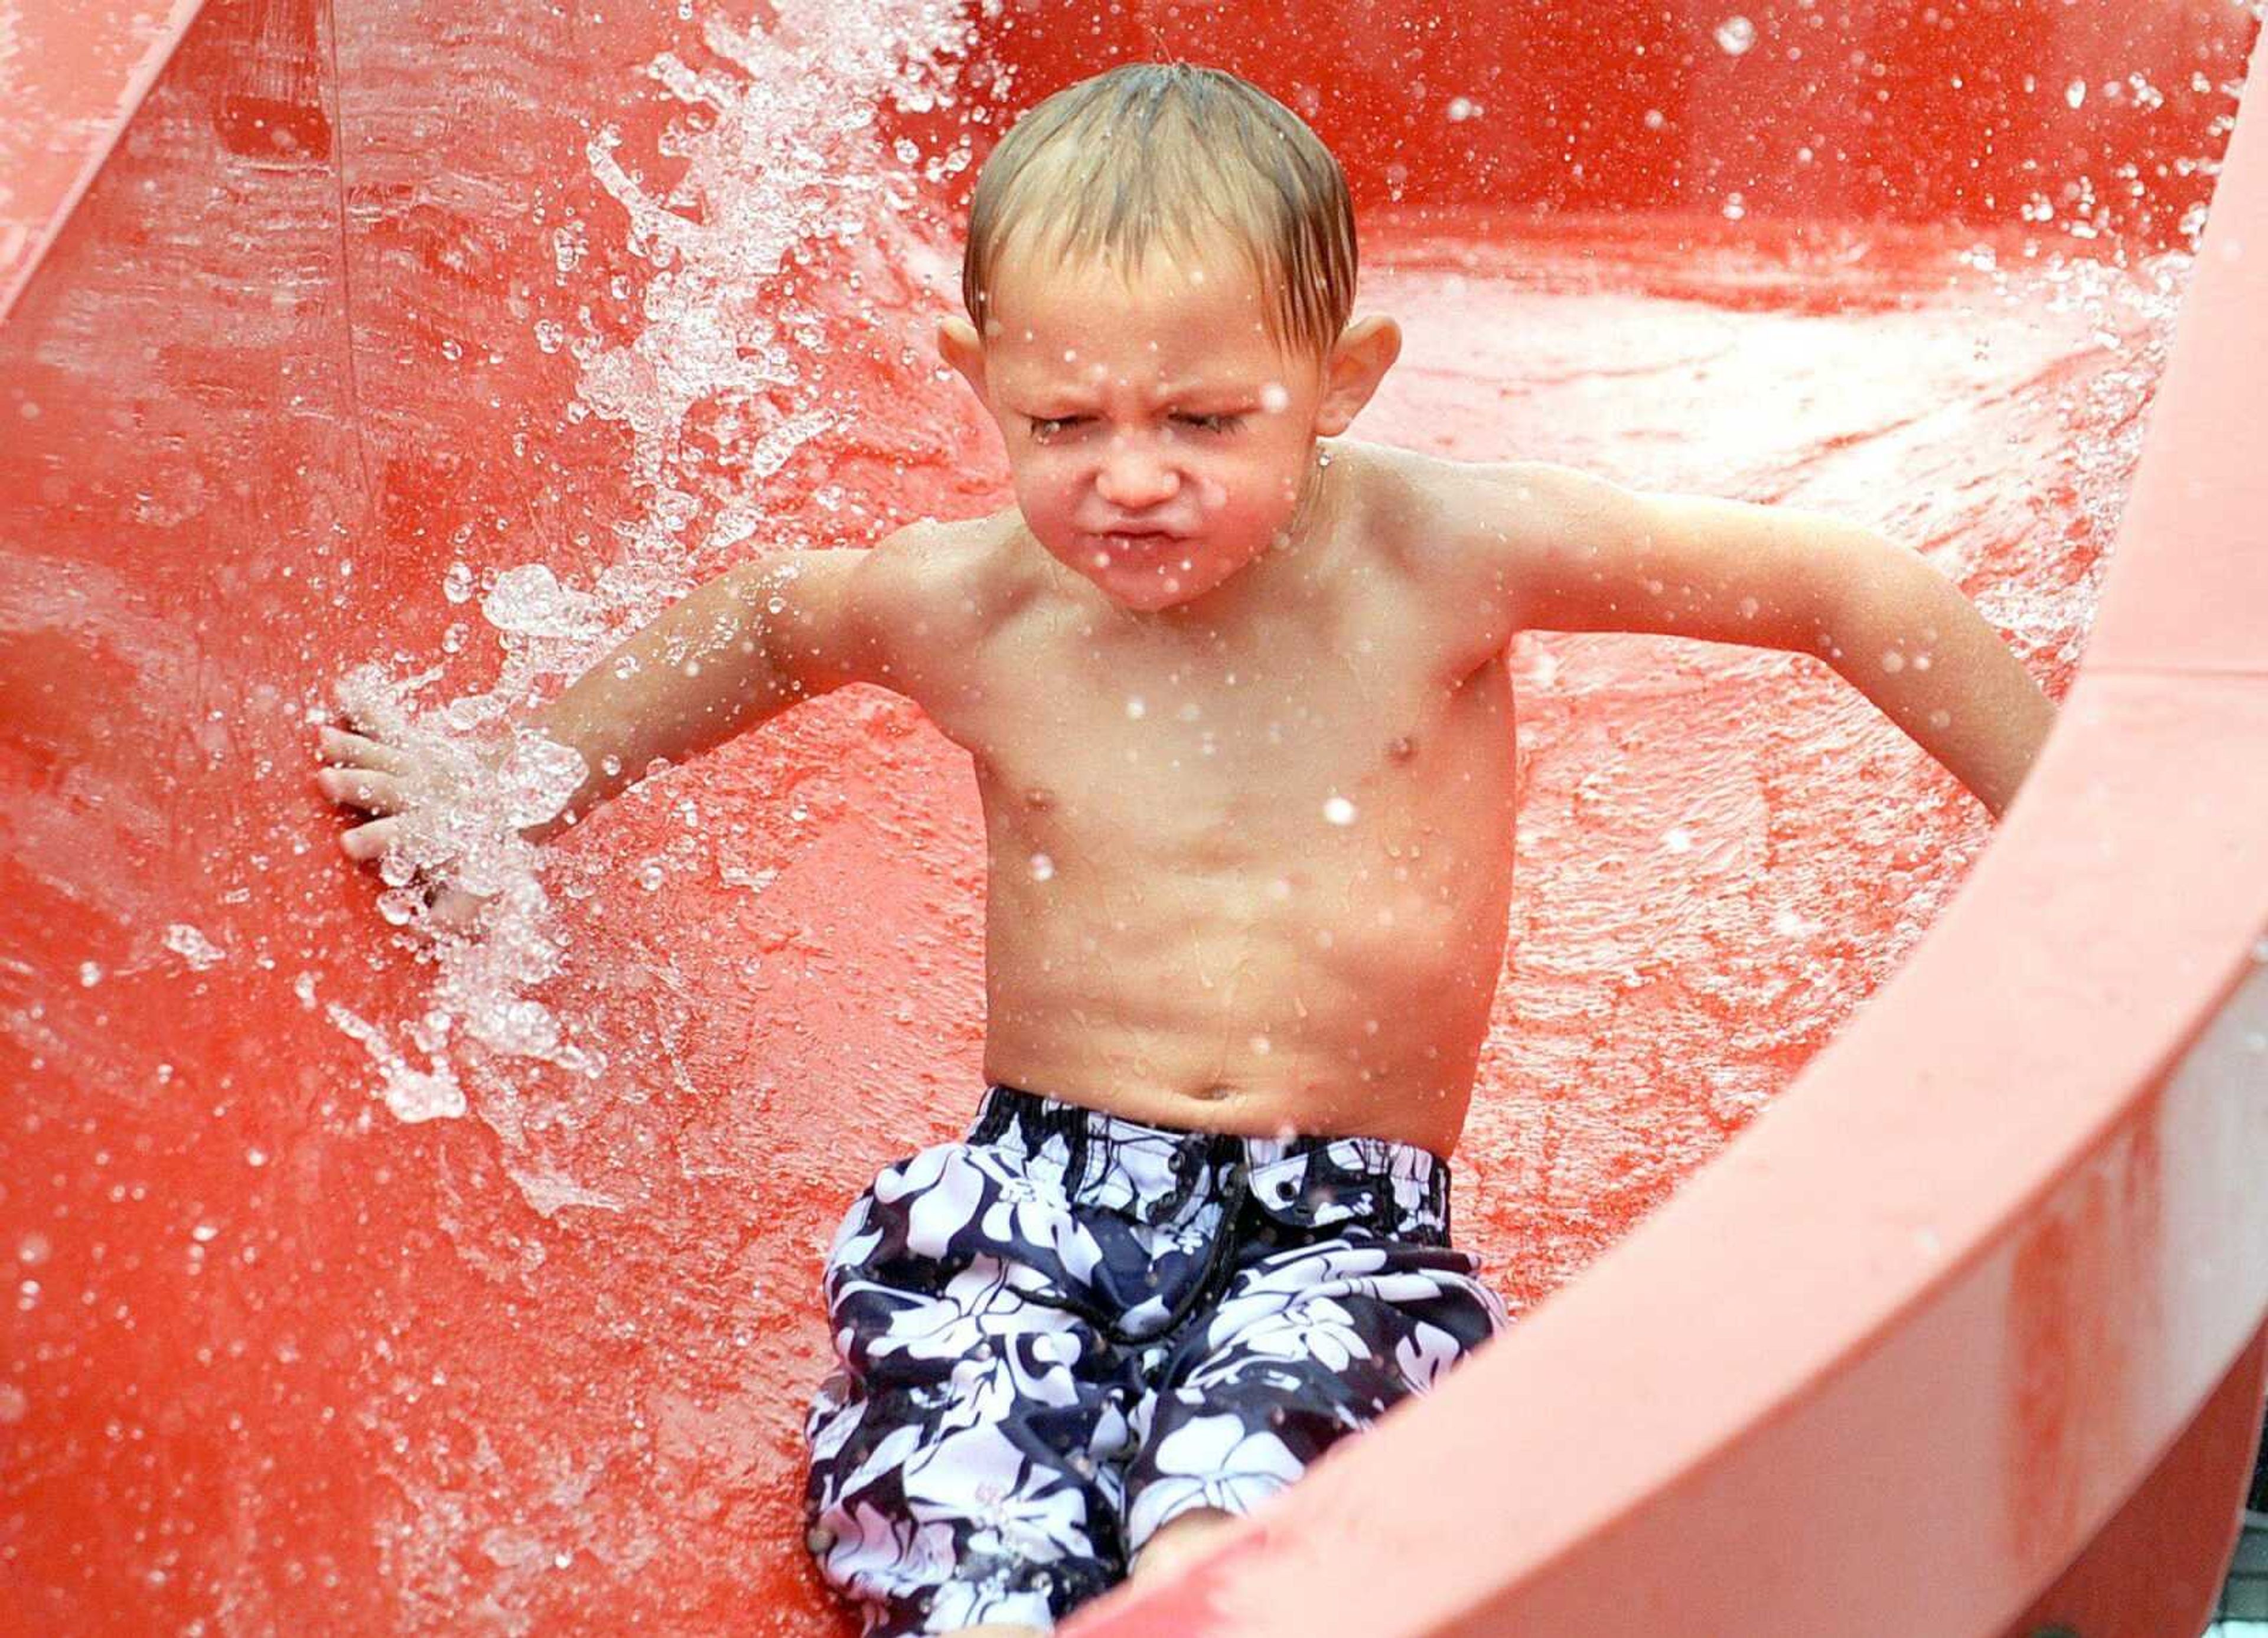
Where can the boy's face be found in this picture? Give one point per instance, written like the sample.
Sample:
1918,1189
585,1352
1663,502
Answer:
1159,440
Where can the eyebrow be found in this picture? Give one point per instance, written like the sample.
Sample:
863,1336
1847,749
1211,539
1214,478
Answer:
1184,392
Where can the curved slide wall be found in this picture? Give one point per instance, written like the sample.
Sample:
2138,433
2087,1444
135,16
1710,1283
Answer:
377,1287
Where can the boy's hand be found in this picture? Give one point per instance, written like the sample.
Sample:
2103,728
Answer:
373,778
422,801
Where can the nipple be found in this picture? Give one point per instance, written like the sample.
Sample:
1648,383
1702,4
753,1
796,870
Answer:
1402,748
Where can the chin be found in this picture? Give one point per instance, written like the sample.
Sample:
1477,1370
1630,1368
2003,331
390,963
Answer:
1148,600
1152,590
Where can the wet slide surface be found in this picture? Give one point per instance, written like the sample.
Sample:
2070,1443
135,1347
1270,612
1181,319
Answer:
376,1285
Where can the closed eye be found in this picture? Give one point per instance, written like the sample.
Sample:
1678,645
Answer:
1210,423
1045,427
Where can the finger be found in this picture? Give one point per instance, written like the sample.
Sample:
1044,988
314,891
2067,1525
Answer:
361,751
356,751
456,909
366,842
359,787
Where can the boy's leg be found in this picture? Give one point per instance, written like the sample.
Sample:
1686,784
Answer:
964,1461
1179,1541
1311,1343
1175,1543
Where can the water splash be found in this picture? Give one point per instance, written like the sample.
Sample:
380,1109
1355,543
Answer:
1736,36
780,164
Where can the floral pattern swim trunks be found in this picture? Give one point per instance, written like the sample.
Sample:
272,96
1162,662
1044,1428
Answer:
1068,1329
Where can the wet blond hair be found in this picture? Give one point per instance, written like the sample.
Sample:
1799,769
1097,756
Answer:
1155,155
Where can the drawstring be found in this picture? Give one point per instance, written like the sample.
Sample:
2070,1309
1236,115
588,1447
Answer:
1025,1111
1218,1261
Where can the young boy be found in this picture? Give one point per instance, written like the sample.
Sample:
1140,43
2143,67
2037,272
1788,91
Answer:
1236,693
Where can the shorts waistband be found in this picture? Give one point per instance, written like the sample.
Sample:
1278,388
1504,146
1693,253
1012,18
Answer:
1153,1173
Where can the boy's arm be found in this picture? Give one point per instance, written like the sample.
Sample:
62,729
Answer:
737,650
1575,552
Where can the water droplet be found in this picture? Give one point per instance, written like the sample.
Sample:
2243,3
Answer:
2075,93
651,876
1043,868
1136,710
90,974
1655,118
1260,1044
1894,662
1750,608
192,946
1735,35
457,585
1274,397
1679,840
1339,810
1463,108
528,599
1940,719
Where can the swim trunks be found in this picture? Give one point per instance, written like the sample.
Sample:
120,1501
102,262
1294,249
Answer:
1067,1329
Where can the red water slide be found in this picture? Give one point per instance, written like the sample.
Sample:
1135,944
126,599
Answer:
368,1281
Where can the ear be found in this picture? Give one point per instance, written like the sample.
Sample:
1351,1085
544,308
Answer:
958,345
1365,351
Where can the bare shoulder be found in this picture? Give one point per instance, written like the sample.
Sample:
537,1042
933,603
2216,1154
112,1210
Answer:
906,612
1431,511
945,580
1469,538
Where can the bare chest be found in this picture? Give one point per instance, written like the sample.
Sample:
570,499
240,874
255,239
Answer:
1326,740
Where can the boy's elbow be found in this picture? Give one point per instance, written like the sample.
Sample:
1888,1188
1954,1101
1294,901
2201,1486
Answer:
1867,586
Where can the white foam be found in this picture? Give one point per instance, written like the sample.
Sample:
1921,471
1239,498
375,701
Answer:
776,160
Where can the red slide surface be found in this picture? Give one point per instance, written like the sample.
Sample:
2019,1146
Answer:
363,1284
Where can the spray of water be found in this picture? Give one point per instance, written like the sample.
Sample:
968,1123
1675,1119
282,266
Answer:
782,162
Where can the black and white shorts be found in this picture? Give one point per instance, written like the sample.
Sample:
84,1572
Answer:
1068,1329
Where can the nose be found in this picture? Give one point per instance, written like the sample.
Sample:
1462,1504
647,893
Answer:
1134,477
